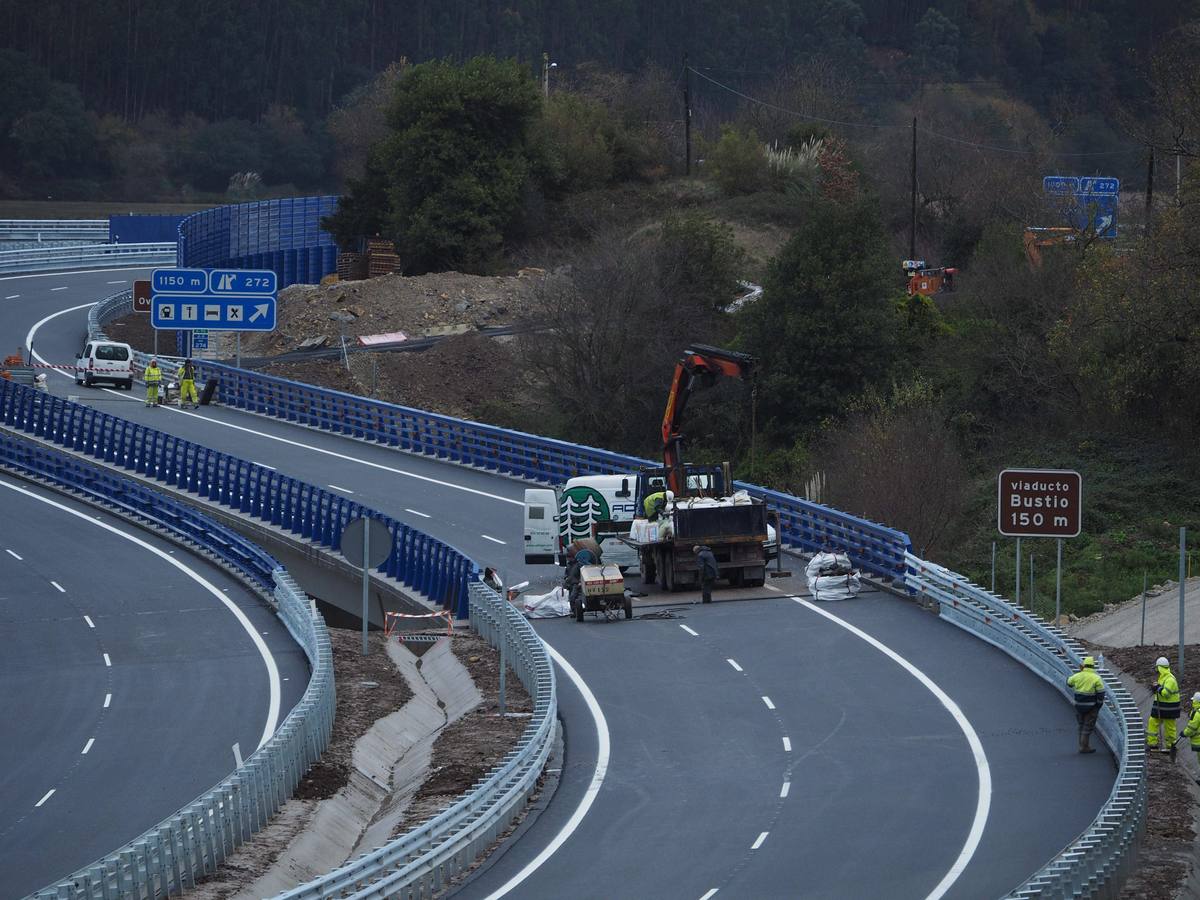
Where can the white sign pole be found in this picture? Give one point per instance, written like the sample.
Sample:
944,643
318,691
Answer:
366,563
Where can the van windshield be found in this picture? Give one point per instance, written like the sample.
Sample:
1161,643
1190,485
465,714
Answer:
112,352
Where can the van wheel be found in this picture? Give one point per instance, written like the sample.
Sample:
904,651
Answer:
129,384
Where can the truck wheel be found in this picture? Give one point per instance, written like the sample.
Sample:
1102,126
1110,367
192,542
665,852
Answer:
668,574
579,611
649,570
628,608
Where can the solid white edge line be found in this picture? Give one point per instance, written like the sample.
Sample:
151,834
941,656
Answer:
416,512
49,793
593,788
787,745
268,659
89,621
61,589
107,700
984,800
767,700
10,553
107,661
70,272
689,631
733,663
785,790
488,537
88,745
710,894
262,434
759,842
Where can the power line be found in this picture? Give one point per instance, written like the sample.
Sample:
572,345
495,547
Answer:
927,131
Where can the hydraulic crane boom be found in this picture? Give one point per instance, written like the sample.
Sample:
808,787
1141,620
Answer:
703,364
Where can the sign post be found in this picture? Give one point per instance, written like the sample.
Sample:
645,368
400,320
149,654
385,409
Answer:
366,543
1040,503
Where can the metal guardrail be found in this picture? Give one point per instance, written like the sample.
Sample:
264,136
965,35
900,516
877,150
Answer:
426,565
90,256
44,231
424,860
191,843
1095,862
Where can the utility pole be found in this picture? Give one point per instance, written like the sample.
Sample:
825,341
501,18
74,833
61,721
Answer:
687,114
1149,191
1178,181
546,67
912,233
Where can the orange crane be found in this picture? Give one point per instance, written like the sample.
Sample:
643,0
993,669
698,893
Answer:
699,367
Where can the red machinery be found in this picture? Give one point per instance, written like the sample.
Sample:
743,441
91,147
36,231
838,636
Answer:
703,364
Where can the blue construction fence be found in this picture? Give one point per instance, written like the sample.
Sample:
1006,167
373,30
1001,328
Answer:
136,228
428,566
804,525
282,235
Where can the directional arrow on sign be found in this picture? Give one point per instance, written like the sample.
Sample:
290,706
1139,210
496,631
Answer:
259,311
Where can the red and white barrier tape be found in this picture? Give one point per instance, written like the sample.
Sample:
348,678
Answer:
389,624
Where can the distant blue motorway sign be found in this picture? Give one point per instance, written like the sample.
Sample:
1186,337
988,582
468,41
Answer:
1089,203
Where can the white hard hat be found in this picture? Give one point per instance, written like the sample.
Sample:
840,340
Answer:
1162,661
670,495
1196,697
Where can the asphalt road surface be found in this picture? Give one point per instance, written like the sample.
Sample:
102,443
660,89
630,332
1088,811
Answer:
125,681
752,749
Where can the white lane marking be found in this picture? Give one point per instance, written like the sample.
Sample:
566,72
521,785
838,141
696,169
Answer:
237,755
345,490
787,745
264,465
79,272
758,843
785,790
12,296
767,700
593,788
771,587
10,553
58,289
88,745
49,794
270,437
416,512
733,663
88,619
122,281
107,661
272,720
488,537
689,631
710,894
983,770
107,700
61,589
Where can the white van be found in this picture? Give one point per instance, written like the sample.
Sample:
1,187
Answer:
105,361
588,506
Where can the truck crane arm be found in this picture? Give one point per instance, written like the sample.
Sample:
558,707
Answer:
699,367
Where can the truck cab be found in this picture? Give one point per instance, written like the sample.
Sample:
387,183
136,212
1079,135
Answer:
587,506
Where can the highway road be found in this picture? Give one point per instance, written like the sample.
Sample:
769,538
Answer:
130,670
767,748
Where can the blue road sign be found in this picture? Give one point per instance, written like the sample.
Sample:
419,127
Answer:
200,339
178,281
1099,185
242,281
1060,184
192,311
1087,203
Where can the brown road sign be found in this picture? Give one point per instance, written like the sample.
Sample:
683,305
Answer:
1040,503
141,296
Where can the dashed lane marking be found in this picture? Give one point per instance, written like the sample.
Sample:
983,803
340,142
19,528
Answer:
771,587
88,745
59,587
710,894
758,843
767,700
107,700
59,288
787,745
342,489
12,296
13,555
488,537
88,619
736,667
689,631
107,661
417,512
121,281
785,790
47,796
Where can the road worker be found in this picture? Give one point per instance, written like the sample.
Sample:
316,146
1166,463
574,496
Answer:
153,377
655,503
1165,709
1192,729
186,375
1089,698
709,571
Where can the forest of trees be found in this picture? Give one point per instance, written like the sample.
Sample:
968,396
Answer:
121,94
